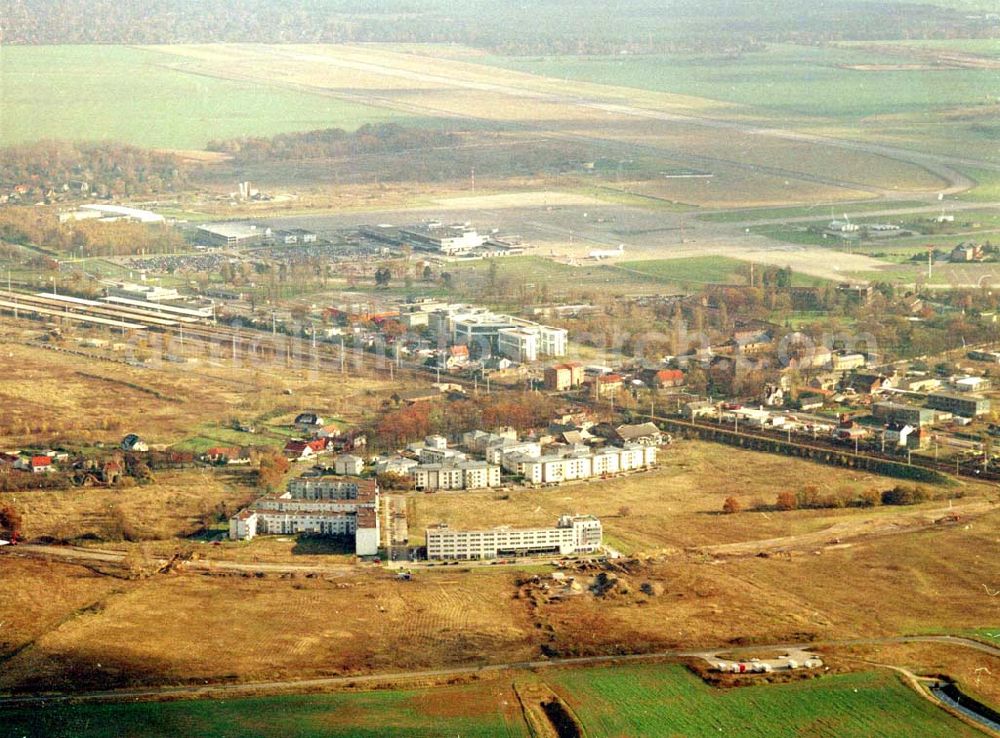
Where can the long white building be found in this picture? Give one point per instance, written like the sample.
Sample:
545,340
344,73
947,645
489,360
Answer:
333,506
573,534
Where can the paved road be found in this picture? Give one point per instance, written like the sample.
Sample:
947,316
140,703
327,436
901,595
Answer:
301,685
822,212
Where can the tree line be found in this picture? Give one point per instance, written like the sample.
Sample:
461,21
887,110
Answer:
810,498
397,426
26,225
50,170
332,142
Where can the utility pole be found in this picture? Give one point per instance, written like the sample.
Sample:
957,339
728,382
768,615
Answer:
342,357
12,294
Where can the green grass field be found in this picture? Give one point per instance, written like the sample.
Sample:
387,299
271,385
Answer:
403,714
646,700
702,270
697,269
621,277
987,186
783,80
124,94
537,270
667,701
982,46
797,233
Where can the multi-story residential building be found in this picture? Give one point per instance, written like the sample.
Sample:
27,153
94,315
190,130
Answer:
333,506
432,455
480,441
966,405
331,488
606,462
349,465
496,453
573,534
394,465
895,412
457,475
580,463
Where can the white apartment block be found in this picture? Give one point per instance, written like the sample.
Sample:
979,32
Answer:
580,464
321,506
330,488
430,455
438,442
349,465
463,475
495,454
573,534
394,465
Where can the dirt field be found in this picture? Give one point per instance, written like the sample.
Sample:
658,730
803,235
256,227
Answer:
59,398
186,627
176,504
38,596
928,580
